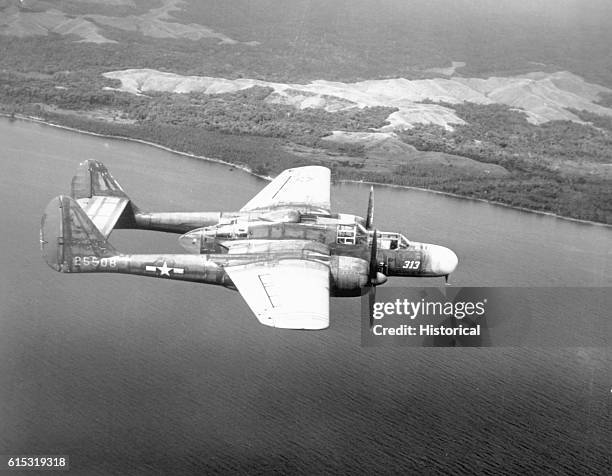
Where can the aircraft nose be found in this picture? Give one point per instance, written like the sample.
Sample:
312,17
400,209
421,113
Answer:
444,260
190,241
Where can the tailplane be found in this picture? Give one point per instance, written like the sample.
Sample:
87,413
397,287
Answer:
102,198
69,240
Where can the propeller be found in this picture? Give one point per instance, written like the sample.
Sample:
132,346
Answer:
373,262
373,270
374,277
370,213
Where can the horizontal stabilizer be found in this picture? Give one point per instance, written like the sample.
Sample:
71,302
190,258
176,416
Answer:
104,212
101,197
68,238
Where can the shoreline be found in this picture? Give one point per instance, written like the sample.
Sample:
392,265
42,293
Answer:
483,200
245,169
38,120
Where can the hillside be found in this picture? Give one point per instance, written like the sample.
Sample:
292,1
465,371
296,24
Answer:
31,18
543,97
317,39
509,103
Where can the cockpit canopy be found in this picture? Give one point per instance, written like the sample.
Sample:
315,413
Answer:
388,240
356,234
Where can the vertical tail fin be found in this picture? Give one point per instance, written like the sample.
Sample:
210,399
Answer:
93,179
69,240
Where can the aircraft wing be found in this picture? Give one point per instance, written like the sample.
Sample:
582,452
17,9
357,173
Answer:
289,293
303,188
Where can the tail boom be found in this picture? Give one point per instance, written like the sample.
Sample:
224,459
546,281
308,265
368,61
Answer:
71,243
173,222
109,207
192,268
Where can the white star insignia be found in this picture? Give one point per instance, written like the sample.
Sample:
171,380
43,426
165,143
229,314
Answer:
164,270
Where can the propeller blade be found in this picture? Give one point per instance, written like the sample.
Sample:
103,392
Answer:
373,258
370,213
371,301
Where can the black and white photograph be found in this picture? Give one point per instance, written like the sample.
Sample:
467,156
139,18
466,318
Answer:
377,236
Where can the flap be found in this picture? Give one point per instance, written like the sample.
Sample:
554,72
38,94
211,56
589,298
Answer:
288,293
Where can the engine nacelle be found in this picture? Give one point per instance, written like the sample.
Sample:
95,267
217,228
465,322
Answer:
349,275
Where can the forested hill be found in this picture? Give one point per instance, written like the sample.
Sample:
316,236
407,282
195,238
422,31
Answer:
498,100
313,39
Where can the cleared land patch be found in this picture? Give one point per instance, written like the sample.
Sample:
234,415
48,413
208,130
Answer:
543,97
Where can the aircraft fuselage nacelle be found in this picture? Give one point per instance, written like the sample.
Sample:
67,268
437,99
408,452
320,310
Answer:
419,260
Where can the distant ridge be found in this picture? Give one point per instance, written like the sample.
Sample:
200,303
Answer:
542,97
156,23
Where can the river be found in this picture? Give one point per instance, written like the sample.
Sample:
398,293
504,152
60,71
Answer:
142,376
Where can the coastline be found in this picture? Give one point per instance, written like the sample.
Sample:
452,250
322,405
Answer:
483,200
39,120
245,169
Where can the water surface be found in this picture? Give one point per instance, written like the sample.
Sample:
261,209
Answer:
142,376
